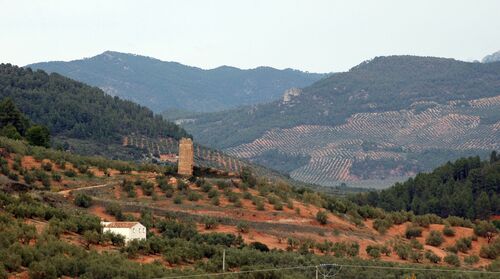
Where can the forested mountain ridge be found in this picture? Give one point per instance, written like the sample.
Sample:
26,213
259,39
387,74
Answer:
162,85
71,109
387,117
467,187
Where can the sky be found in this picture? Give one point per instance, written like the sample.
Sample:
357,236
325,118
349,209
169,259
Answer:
310,35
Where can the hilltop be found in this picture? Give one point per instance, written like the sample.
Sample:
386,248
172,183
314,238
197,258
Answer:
163,86
494,57
58,199
385,119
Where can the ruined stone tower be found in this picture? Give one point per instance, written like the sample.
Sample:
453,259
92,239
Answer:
186,157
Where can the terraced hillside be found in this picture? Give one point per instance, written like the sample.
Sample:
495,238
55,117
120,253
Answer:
204,157
389,138
382,121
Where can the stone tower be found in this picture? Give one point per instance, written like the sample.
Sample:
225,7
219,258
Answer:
186,157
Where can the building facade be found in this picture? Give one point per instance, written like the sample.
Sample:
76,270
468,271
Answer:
129,230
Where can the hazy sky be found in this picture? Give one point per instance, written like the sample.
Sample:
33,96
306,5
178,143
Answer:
321,36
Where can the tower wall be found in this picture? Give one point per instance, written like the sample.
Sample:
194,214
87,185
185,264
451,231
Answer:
186,157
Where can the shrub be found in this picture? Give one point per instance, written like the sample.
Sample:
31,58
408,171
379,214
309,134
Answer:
485,229
373,251
259,246
402,250
232,197
147,188
463,244
452,259
215,201
222,185
455,221
491,251
413,231
416,256
382,225
210,223
322,217
260,206
212,193
435,238
83,200
243,227
247,195
115,209
70,173
181,185
28,178
42,270
193,196
169,193
432,257
56,177
448,231
415,244
278,206
206,187
178,199
471,260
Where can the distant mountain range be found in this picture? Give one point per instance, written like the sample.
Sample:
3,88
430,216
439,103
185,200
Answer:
162,85
384,119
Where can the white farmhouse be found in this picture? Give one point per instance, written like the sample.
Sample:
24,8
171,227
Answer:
129,230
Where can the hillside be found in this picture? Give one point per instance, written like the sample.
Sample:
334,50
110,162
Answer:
162,85
383,120
51,203
80,116
467,187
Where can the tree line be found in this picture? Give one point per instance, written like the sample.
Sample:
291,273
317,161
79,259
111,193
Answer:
73,109
467,187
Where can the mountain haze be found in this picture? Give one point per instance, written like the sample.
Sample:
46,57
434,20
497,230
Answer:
385,118
162,85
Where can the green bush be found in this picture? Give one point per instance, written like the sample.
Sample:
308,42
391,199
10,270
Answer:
193,196
278,206
490,251
56,177
432,257
322,217
464,244
210,223
471,260
83,200
259,246
452,259
178,199
448,231
212,193
382,225
435,238
413,231
215,201
403,250
70,173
